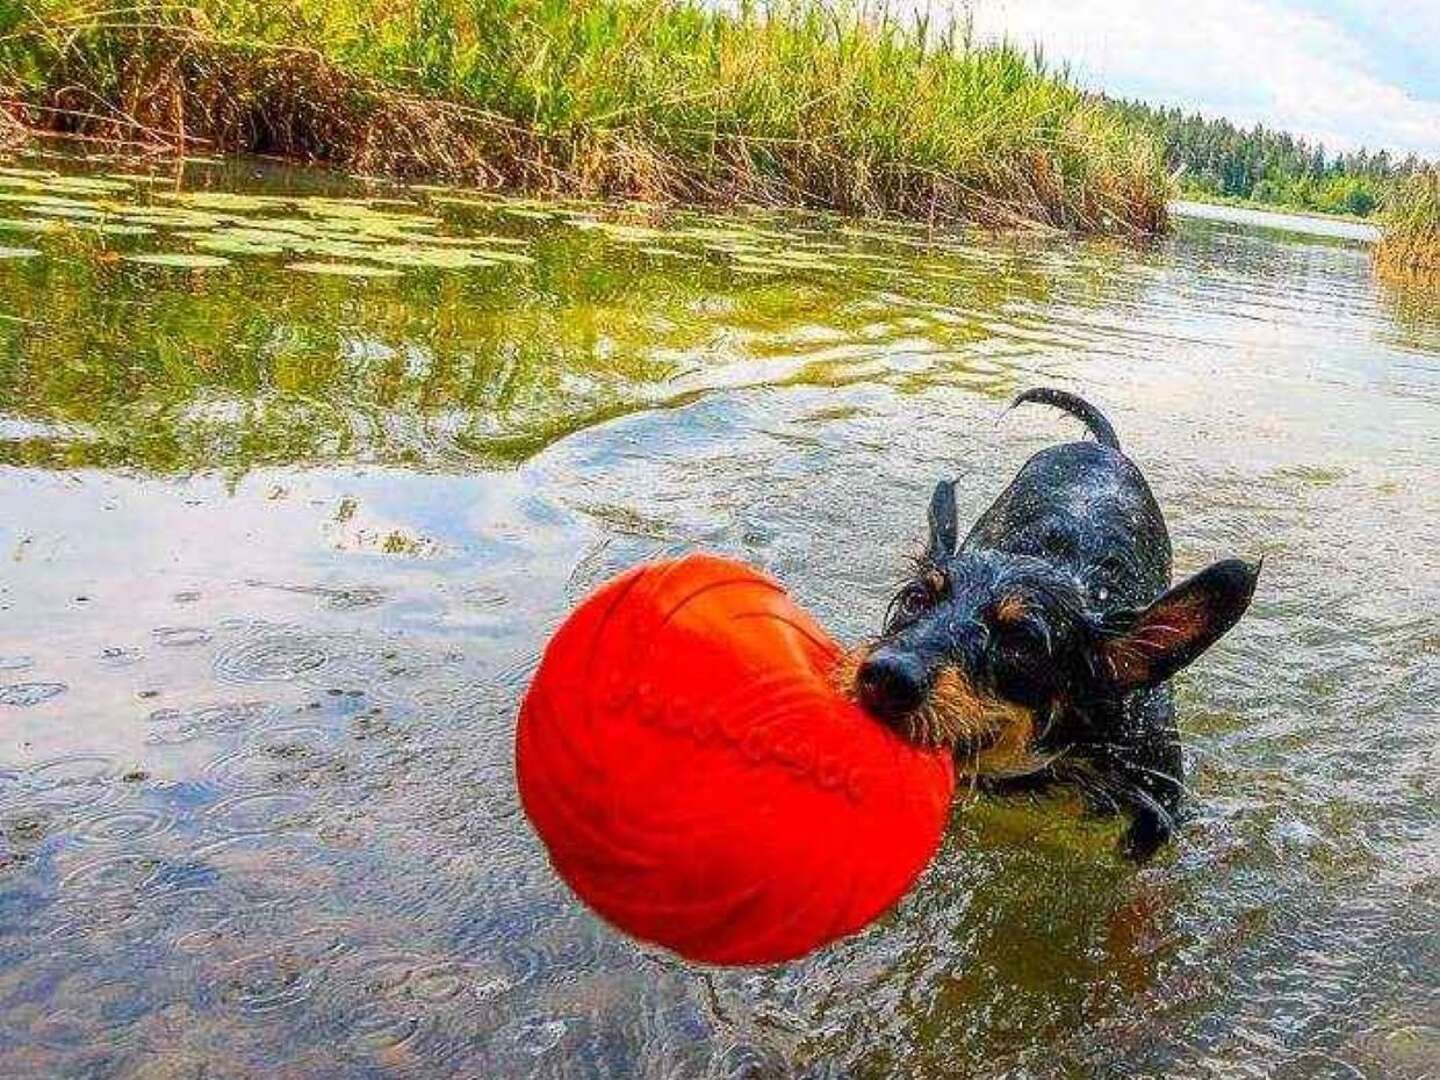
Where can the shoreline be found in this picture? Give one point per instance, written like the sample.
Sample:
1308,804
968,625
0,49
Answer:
1274,208
666,101
1310,224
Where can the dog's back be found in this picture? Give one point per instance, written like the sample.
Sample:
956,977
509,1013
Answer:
1084,506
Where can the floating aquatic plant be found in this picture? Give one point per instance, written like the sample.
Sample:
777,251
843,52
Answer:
337,269
180,260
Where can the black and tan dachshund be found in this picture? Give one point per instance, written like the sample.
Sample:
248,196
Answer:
1039,649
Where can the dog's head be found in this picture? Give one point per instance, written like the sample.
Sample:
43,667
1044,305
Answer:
1010,660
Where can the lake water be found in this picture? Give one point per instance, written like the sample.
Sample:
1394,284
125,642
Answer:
1278,221
279,549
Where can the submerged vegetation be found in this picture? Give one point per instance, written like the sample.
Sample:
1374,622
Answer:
793,103
212,318
1411,243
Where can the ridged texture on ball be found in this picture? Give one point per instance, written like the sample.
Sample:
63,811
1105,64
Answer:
699,782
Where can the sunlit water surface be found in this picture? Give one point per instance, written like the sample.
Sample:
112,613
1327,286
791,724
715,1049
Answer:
280,546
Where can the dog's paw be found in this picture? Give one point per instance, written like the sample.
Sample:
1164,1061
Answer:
1148,832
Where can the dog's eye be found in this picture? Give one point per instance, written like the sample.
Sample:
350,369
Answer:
912,602
1025,635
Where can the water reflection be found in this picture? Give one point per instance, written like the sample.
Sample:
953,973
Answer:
116,363
282,550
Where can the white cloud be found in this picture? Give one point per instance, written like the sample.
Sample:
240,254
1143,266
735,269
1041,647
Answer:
1253,61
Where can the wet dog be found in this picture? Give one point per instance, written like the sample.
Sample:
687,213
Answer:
1039,649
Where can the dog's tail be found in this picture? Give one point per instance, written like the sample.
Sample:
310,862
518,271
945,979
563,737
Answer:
1077,407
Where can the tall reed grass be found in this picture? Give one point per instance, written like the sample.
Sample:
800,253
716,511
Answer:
792,102
1410,244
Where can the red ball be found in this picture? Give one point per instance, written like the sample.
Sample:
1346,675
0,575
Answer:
699,781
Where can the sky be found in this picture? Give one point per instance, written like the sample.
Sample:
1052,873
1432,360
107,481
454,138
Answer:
1348,73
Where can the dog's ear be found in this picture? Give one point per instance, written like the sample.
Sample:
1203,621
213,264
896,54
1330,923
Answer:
944,523
1145,647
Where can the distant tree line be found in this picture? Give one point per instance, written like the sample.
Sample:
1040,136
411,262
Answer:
1214,158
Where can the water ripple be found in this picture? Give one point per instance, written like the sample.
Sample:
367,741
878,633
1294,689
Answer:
174,726
120,656
268,982
257,813
278,654
181,637
112,876
283,751
33,693
121,828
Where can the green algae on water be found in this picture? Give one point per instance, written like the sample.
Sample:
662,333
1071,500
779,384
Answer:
337,269
179,260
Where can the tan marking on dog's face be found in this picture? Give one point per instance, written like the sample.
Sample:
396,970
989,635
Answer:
973,724
989,735
1011,609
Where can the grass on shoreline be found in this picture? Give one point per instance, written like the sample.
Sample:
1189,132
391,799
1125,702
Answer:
1410,245
1349,197
792,103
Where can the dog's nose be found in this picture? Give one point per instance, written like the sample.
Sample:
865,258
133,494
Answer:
891,684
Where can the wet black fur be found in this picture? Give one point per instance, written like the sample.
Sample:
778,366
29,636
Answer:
1080,540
